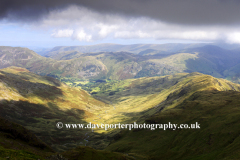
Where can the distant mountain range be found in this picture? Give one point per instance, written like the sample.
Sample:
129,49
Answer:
73,62
134,48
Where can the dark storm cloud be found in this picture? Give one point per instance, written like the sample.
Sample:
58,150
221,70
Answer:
193,12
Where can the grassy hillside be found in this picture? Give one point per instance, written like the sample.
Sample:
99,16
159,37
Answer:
117,65
64,55
213,60
86,67
18,143
38,103
179,99
124,65
74,65
136,99
208,59
217,112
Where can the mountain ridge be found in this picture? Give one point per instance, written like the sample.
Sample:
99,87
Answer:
39,102
212,60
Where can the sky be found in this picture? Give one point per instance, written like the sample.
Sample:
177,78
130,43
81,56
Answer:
49,23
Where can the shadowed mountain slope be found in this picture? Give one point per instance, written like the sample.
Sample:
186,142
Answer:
16,142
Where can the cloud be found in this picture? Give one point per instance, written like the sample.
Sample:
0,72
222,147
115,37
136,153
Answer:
190,12
105,30
62,33
233,37
208,20
83,24
81,35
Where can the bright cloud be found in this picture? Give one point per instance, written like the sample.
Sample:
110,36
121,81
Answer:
81,35
62,33
79,23
233,37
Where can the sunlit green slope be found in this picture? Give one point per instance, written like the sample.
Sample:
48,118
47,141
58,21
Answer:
137,99
217,112
39,102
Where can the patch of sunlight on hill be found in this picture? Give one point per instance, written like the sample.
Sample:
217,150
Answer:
144,97
39,102
176,60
